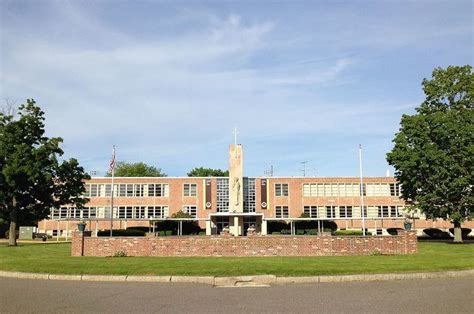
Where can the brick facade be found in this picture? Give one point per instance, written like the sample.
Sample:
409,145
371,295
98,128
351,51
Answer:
325,245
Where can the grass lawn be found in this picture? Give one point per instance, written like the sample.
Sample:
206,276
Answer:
55,258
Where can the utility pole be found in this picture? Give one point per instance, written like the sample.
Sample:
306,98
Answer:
361,190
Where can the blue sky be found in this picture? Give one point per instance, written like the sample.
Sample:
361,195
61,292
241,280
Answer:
167,82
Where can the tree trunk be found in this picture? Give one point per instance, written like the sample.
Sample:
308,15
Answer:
13,224
457,232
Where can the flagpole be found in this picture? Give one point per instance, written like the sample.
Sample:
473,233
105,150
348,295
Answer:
361,190
112,194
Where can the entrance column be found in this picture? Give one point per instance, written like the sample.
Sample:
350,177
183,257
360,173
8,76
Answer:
236,226
208,228
264,228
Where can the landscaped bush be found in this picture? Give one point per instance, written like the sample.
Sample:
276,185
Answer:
328,225
350,232
436,233
464,232
393,231
285,231
144,229
122,233
276,226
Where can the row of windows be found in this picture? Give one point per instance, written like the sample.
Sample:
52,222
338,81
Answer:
281,189
349,189
344,211
131,190
121,212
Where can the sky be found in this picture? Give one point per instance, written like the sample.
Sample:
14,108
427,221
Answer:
168,81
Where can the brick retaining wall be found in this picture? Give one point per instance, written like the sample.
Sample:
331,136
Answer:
325,245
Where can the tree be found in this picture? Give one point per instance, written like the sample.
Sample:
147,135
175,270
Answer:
32,179
433,153
207,172
137,169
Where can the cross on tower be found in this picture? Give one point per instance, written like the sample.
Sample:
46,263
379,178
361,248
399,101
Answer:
235,136
235,141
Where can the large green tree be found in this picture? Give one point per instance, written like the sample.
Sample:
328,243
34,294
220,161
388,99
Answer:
207,172
433,153
137,169
32,178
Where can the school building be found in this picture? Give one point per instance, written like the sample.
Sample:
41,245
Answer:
237,203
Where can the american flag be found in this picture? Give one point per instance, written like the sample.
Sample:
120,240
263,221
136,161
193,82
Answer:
112,162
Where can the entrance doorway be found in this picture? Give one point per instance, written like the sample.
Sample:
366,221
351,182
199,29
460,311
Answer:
250,221
221,222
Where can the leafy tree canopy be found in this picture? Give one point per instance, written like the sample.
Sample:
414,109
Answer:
32,179
207,172
433,153
137,169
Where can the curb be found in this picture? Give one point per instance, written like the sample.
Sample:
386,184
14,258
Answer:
242,281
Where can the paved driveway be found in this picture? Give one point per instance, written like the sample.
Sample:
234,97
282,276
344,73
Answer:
453,295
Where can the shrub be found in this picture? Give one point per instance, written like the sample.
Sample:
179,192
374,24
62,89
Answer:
393,231
144,229
436,233
329,225
285,231
7,234
300,232
276,226
122,233
350,232
120,254
276,232
464,232
312,231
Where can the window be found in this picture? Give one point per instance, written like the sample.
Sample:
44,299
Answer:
394,189
281,212
310,189
92,212
158,190
122,190
249,195
139,188
281,189
312,211
365,211
129,190
94,190
363,190
222,202
85,212
330,212
139,212
190,209
382,211
190,189
121,212
157,211
87,193
54,213
345,211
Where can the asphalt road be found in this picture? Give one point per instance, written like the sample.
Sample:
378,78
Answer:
453,295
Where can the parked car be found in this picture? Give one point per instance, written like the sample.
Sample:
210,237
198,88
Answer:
42,236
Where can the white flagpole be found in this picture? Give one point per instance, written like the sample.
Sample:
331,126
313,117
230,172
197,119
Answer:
112,194
361,190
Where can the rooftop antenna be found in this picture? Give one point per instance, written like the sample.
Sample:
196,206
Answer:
269,172
304,168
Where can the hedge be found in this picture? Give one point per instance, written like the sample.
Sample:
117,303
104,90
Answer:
122,233
464,232
350,232
436,233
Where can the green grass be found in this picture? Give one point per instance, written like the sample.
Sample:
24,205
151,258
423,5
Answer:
55,258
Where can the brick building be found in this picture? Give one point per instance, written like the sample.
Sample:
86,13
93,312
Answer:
237,202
